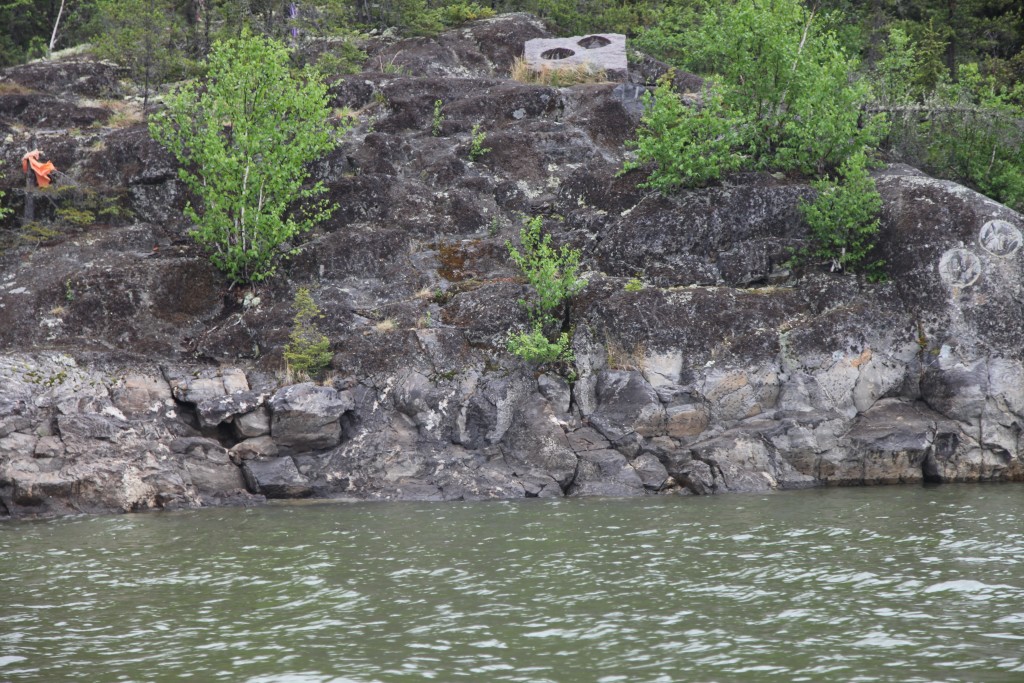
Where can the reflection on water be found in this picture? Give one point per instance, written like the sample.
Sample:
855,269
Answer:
883,584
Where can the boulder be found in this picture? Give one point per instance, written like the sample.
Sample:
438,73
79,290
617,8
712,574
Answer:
651,472
605,473
276,478
213,411
252,424
306,417
626,403
256,448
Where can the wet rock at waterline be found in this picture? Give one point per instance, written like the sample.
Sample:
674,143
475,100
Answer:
133,377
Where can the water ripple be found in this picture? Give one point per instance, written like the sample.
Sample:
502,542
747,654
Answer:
810,586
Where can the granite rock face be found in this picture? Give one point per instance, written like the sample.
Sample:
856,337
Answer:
132,377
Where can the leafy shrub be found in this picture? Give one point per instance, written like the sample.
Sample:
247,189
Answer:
343,58
534,346
552,273
968,131
4,210
460,12
844,218
688,146
75,216
308,350
553,276
244,139
476,145
634,284
784,92
146,37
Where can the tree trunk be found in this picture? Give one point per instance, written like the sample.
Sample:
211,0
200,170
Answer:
30,198
53,36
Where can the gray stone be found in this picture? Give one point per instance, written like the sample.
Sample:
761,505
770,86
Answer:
652,473
14,423
605,473
18,444
555,390
89,427
256,423
141,394
535,443
213,474
260,447
686,420
538,485
188,444
306,417
586,439
207,387
743,463
276,478
213,411
48,447
626,403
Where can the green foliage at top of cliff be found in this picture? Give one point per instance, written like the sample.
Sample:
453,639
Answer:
786,97
940,54
987,32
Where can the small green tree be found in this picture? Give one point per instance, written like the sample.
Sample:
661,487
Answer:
308,350
435,128
553,276
244,138
476,145
146,36
844,218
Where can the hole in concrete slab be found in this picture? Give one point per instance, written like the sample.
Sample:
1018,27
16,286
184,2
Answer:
557,53
591,42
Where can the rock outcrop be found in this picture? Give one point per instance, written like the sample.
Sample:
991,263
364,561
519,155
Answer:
132,377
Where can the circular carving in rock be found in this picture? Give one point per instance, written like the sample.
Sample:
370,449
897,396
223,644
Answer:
999,237
591,42
557,53
959,268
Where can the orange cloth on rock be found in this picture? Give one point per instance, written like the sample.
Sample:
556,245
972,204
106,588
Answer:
41,169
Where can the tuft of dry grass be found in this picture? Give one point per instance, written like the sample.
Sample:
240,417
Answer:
385,326
286,375
122,113
559,77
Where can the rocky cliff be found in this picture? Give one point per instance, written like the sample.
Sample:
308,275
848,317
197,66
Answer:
134,378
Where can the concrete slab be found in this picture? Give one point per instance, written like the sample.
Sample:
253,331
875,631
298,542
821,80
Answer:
605,51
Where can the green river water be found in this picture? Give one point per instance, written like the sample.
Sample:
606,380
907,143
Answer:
869,584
